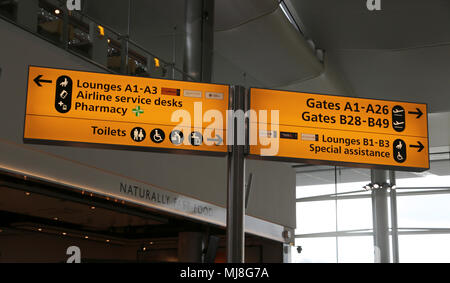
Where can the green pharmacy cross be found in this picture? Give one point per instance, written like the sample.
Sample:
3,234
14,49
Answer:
138,111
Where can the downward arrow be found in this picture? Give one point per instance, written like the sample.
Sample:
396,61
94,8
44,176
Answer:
419,146
418,113
38,81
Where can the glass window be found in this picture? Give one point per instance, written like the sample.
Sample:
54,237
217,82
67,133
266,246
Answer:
352,179
354,214
310,191
424,248
425,181
414,211
315,250
424,211
317,216
356,249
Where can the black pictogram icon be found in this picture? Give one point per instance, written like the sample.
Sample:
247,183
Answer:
196,139
138,134
399,151
157,135
176,137
63,95
398,118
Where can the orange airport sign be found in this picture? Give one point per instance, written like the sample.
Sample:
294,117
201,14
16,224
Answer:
84,107
324,129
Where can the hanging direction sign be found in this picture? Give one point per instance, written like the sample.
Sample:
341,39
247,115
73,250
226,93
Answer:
338,130
114,110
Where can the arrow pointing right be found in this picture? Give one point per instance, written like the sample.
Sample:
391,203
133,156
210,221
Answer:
419,113
419,146
218,140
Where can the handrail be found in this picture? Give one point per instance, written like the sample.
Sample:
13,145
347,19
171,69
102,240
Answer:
126,37
77,18
106,69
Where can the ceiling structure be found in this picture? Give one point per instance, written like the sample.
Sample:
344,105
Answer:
255,37
401,52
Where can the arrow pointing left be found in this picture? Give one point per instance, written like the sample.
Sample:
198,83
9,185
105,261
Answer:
38,81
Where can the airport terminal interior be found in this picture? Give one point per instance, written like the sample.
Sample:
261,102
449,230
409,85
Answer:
128,204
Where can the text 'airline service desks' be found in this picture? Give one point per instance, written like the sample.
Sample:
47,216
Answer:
138,113
95,108
345,131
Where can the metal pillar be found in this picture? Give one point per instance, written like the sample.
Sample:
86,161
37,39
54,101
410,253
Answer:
380,215
207,40
199,39
394,222
65,28
125,46
124,55
190,247
236,186
99,49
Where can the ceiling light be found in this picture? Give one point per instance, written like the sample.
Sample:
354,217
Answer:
107,241
27,193
367,187
64,233
101,30
157,63
57,11
40,230
92,207
55,218
86,237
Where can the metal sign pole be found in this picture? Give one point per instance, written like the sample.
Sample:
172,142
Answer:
394,220
381,214
236,182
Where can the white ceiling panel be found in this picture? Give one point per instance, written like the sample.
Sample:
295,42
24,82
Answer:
270,49
399,24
